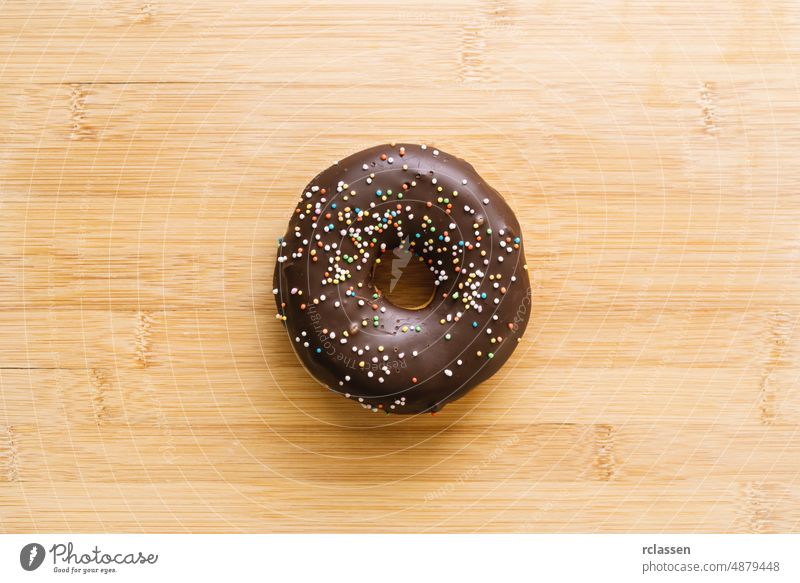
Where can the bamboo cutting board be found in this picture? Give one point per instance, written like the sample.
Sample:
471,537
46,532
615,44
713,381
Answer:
151,154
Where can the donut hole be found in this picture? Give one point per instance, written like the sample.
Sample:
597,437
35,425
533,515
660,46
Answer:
403,278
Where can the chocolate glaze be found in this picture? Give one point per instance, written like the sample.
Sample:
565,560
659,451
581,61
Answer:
356,342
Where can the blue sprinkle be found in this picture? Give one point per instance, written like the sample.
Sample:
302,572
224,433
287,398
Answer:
333,206
483,296
516,239
378,192
474,324
319,350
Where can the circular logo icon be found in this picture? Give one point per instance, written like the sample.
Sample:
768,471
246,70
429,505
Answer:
31,556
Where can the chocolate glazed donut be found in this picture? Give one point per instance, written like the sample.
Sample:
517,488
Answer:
351,338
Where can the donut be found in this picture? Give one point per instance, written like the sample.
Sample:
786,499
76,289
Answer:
347,334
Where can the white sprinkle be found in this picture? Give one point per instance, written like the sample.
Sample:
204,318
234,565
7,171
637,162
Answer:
448,372
364,167
485,201
436,152
464,181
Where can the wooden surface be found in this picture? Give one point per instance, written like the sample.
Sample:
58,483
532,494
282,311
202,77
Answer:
151,153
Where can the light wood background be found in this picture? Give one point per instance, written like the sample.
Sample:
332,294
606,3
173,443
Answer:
151,153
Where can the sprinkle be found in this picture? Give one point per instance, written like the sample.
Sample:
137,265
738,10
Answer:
448,372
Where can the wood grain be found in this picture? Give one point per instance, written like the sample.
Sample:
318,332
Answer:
150,155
